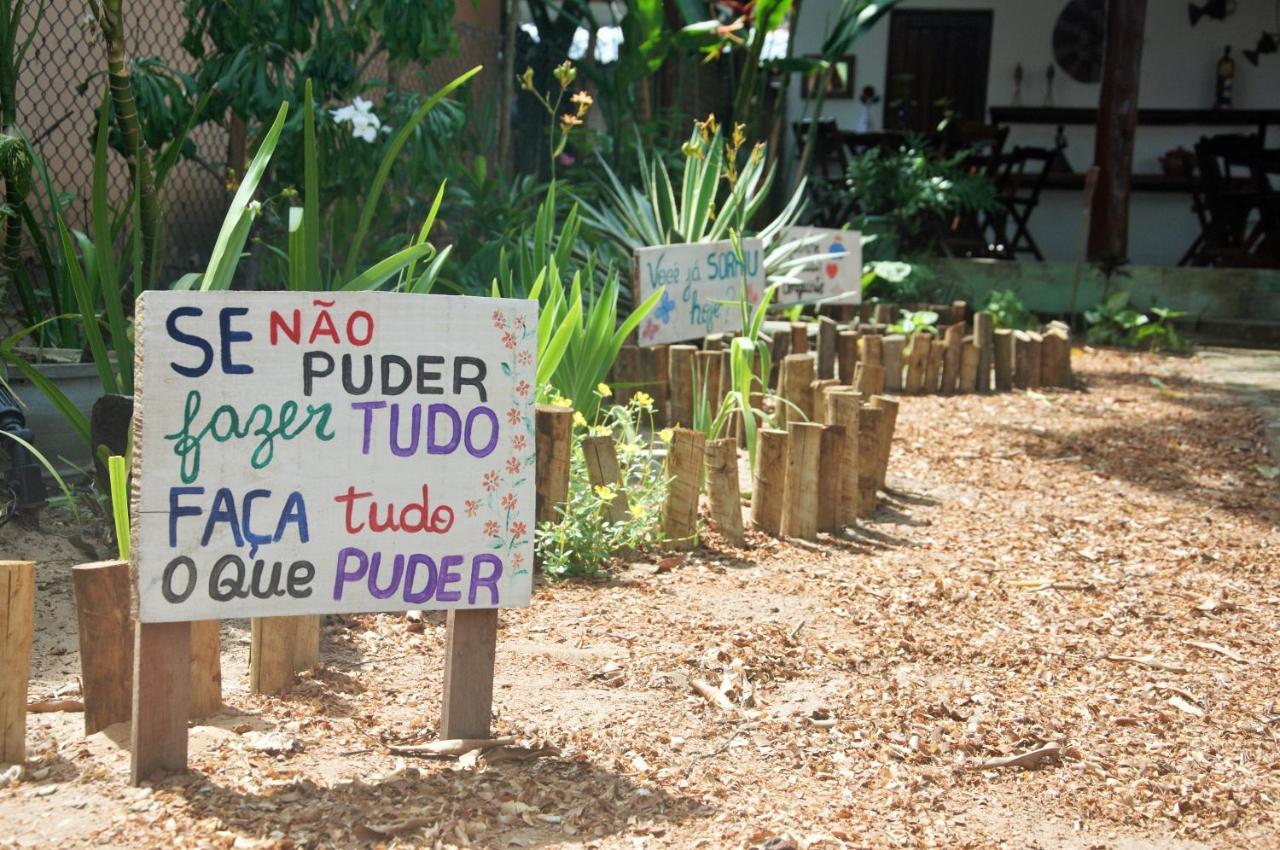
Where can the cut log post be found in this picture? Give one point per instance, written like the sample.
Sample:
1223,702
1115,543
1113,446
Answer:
953,347
1055,358
800,497
819,388
601,456
959,309
272,642
918,361
983,328
707,390
103,592
17,628
656,364
933,367
868,379
713,342
846,355
843,409
831,461
723,493
780,347
726,379
680,359
796,386
884,435
885,314
1003,345
161,679
627,373
891,350
685,457
471,642
827,333
868,457
553,440
1026,359
871,349
969,359
769,480
799,337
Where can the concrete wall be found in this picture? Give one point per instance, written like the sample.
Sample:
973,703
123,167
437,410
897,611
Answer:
1178,71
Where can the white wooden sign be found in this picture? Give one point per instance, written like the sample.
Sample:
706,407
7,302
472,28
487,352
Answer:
704,283
310,453
835,279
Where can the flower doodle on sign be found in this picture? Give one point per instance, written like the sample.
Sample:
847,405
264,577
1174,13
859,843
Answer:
664,308
498,484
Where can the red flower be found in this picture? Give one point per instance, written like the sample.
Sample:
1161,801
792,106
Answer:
524,358
513,416
519,323
518,442
519,529
499,320
513,466
522,388
509,339
471,506
491,480
508,501
491,528
517,561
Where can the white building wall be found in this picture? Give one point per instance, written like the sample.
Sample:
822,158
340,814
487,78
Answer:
1178,71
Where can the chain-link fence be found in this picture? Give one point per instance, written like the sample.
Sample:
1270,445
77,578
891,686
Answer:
61,119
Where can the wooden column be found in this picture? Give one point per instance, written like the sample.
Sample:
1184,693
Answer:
103,592
846,355
868,458
553,440
827,332
799,337
1117,124
1004,359
769,480
161,678
800,500
831,462
469,653
884,435
723,493
601,456
891,350
795,386
17,627
680,359
843,410
953,343
983,328
917,361
685,456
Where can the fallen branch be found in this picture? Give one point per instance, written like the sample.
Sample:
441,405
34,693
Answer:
1051,750
450,746
49,705
711,694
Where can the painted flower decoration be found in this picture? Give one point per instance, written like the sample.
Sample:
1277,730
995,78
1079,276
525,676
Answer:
491,480
524,358
499,320
519,529
522,388
471,506
508,502
518,442
517,561
491,528
513,416
509,339
513,466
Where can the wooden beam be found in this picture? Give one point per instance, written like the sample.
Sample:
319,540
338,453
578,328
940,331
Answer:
1117,121
161,675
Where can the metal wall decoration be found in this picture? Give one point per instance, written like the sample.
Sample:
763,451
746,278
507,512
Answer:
1216,10
1078,38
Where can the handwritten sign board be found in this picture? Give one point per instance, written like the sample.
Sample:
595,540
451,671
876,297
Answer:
703,286
835,279
348,452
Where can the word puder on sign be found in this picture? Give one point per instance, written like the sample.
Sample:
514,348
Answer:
299,453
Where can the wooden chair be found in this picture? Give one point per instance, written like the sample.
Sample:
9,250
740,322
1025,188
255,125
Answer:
827,170
1239,213
1019,183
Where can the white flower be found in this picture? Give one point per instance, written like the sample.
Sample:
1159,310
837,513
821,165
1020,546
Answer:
359,114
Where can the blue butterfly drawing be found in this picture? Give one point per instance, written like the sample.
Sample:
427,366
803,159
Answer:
664,308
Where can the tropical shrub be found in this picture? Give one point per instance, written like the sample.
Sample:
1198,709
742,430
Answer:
1115,322
1008,311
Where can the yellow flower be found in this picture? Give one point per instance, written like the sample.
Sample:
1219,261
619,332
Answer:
561,401
638,510
583,102
579,419
642,400
526,79
604,493
665,435
567,121
600,430
603,390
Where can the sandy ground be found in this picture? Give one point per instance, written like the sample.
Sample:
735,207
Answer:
1097,569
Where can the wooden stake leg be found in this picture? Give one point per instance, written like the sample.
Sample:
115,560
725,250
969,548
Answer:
102,592
161,670
17,626
470,649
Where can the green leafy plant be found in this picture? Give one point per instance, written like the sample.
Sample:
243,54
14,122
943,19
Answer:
1008,311
1115,322
915,320
583,540
897,282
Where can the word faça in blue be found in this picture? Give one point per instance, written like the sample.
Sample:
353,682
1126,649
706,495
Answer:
418,578
223,509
